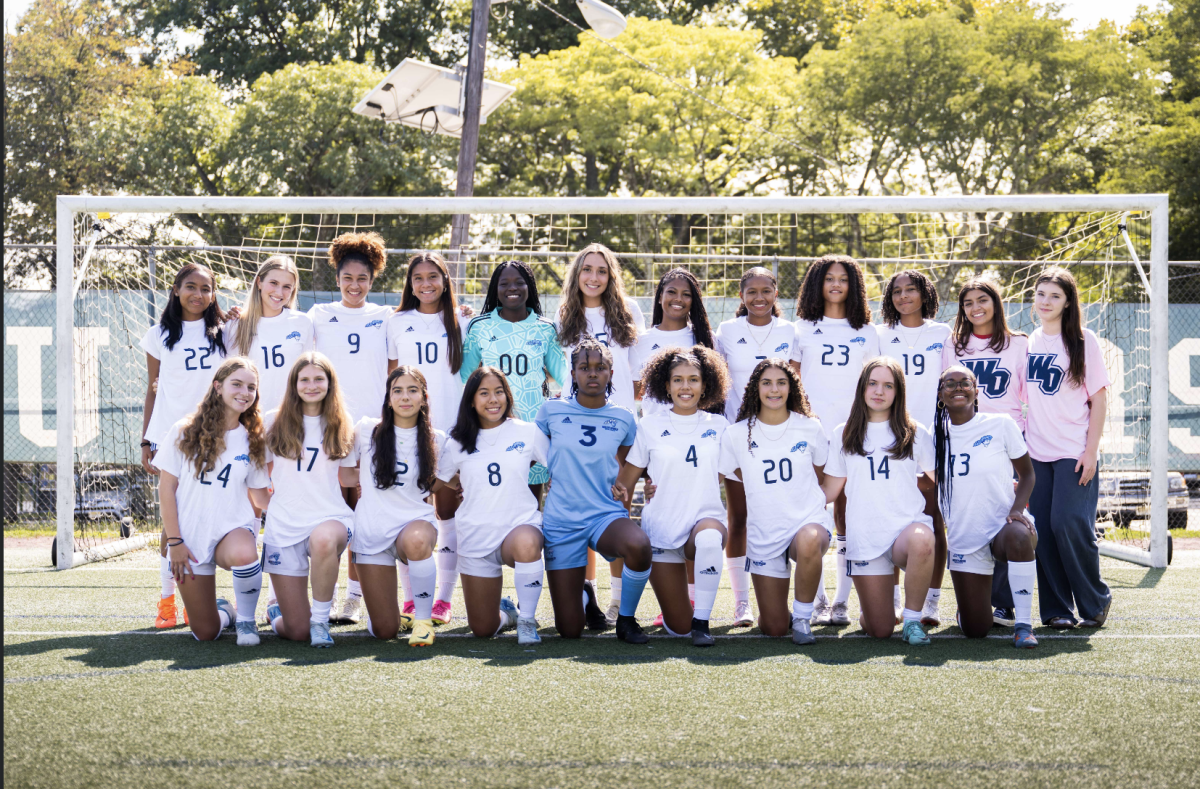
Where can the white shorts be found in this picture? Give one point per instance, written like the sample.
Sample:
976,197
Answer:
779,565
668,555
292,560
880,565
980,562
385,558
490,566
210,567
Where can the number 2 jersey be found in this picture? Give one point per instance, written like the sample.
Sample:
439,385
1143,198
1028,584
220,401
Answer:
831,354
979,463
307,492
744,345
524,352
184,374
355,340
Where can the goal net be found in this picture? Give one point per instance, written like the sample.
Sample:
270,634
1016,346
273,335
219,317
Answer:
126,252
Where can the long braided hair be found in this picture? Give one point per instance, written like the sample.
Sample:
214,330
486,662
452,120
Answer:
941,438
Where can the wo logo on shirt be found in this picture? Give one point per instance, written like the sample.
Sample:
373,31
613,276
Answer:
859,340
983,442
783,346
993,379
610,424
709,434
518,446
1045,372
293,336
373,323
937,346
534,343
800,446
244,458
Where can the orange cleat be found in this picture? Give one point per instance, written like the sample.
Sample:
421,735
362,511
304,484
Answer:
166,613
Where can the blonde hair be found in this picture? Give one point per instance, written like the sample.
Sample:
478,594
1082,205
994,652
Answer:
617,316
286,437
202,439
252,312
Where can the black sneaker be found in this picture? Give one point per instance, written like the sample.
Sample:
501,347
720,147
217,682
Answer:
629,631
1004,617
700,635
591,610
1099,619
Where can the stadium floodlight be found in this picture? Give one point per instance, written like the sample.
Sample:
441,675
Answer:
605,20
428,97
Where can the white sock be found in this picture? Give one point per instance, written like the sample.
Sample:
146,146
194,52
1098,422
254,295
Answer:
505,622
335,591
822,597
911,615
1021,577
370,629
224,617
692,593
319,613
708,573
406,593
247,585
276,623
528,578
272,599
739,579
896,596
933,597
424,583
447,559
353,589
614,595
844,585
801,610
165,577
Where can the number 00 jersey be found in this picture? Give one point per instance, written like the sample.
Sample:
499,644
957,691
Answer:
523,351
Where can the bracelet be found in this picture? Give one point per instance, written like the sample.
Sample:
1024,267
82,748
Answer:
147,444
173,541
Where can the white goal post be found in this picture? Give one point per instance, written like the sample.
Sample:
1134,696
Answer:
70,208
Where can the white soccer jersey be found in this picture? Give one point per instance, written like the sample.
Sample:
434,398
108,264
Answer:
356,342
831,355
683,455
882,498
648,345
380,514
495,484
277,343
777,464
622,377
420,340
184,374
307,492
919,351
744,346
213,503
979,460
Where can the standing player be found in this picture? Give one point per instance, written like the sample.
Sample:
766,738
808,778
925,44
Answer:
425,332
309,523
679,320
183,351
352,333
982,342
910,336
876,457
834,338
1068,398
212,466
394,521
778,450
680,448
977,455
489,452
756,333
589,439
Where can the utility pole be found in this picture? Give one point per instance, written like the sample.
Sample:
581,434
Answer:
469,142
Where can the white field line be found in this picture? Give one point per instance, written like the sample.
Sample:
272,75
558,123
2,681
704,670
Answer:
364,634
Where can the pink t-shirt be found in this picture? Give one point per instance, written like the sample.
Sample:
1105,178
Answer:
1058,409
1001,375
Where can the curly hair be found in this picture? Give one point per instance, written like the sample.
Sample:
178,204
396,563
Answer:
492,300
811,304
466,429
590,344
697,316
202,439
903,426
1001,334
365,248
929,296
383,437
758,271
286,436
409,301
714,375
797,400
618,318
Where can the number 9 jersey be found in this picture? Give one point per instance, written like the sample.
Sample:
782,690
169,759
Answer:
356,343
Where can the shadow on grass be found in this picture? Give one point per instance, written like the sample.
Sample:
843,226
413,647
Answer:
1150,578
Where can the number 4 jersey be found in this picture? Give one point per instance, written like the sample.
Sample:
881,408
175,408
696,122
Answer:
307,492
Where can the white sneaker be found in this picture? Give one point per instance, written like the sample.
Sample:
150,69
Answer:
527,633
839,614
610,615
247,633
802,632
929,614
742,615
821,610
349,612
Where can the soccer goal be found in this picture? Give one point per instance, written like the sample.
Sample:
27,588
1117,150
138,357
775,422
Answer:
125,252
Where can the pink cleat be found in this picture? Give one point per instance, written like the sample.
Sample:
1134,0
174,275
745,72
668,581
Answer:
441,612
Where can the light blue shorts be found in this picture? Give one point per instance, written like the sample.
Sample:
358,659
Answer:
566,545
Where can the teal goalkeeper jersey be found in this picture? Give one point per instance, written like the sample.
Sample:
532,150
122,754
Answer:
523,351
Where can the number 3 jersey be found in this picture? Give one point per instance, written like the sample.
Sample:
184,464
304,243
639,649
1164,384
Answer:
882,498
381,513
782,493
213,503
979,466
306,492
355,340
494,480
831,354
682,454
523,351
184,374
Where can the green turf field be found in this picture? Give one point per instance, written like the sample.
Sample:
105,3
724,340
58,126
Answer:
93,696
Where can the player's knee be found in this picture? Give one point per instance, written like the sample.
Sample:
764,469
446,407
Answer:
809,539
975,629
418,540
637,553
527,544
571,630
206,632
484,630
384,632
776,627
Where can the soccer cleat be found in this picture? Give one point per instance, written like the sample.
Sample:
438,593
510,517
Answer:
227,607
422,633
408,615
913,635
166,613
700,635
821,611
527,633
629,631
839,614
441,612
1004,617
1023,637
658,621
247,633
929,614
509,609
349,613
612,612
273,613
742,615
802,632
596,619
318,635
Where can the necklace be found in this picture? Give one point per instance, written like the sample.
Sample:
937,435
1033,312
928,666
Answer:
671,418
766,433
900,329
750,330
496,430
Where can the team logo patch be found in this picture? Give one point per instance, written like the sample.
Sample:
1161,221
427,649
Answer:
534,343
566,420
423,595
758,563
610,424
654,347
376,322
293,336
983,442
1045,372
859,340
657,551
446,549
800,446
937,346
549,554
410,328
818,331
274,559
709,434
741,342
518,446
861,564
244,458
783,346
443,335
492,338
895,339
1023,592
958,558
665,433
